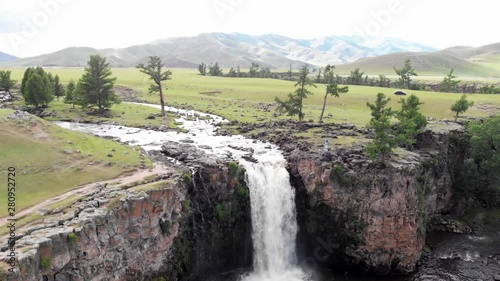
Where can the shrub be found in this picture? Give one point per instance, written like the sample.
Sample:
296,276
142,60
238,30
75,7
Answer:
188,177
45,262
233,168
71,238
241,191
336,173
220,210
186,206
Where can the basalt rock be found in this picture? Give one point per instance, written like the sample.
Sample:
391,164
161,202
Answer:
356,214
196,226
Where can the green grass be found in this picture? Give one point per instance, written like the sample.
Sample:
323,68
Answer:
240,97
44,171
124,114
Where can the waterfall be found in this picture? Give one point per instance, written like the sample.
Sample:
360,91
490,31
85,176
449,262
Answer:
272,199
274,222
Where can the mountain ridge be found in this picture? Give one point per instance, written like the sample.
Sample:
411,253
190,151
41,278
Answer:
6,57
233,49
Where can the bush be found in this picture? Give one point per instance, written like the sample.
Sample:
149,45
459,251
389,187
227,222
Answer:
188,177
186,206
233,169
45,262
336,173
241,191
221,212
71,238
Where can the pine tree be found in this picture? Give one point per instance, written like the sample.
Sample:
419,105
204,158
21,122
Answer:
405,74
411,121
97,84
71,97
449,83
58,88
6,83
384,141
155,72
39,90
294,105
332,88
461,106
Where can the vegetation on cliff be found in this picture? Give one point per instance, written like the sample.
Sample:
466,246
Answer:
482,178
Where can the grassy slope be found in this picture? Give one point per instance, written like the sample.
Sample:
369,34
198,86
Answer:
484,66
44,170
240,97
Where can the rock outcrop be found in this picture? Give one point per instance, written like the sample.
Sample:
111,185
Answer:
355,214
196,225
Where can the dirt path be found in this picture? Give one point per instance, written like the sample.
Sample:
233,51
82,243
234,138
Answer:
91,187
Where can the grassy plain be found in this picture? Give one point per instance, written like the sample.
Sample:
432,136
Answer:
251,99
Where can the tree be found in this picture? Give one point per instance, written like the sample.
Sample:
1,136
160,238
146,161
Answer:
254,70
332,88
290,73
384,141
383,81
411,121
265,72
356,77
489,89
482,169
449,83
293,106
97,84
155,73
6,84
215,70
202,68
39,90
238,72
318,77
71,97
232,73
461,106
405,74
58,88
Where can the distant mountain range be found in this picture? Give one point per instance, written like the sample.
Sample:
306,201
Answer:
231,50
6,57
276,51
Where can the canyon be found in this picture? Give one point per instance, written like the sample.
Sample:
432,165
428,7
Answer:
352,214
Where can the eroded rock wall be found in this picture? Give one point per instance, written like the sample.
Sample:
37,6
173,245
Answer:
354,214
195,227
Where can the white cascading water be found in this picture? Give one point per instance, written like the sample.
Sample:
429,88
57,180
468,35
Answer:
272,198
274,222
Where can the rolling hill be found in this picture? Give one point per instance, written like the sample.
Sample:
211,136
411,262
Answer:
6,57
231,50
481,61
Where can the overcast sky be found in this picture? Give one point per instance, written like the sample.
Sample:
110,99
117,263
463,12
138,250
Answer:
33,27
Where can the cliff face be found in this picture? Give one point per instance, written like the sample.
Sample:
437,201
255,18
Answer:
216,229
183,230
352,213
